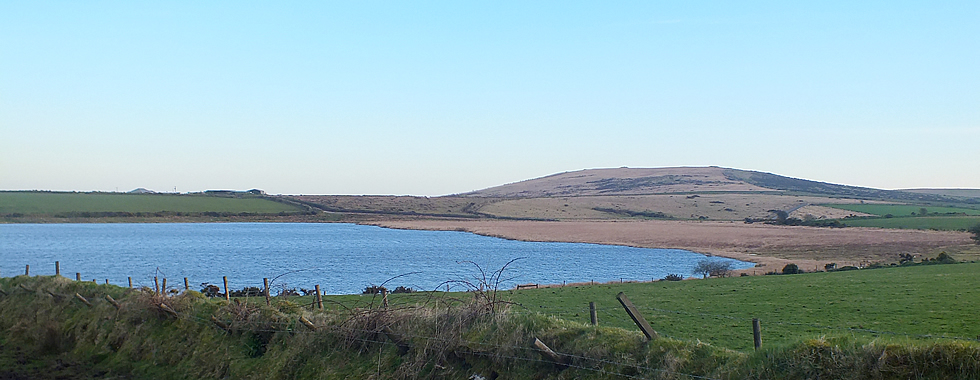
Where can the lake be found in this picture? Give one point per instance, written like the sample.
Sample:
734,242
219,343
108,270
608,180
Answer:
341,258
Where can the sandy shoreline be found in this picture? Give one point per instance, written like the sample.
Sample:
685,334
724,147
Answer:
770,247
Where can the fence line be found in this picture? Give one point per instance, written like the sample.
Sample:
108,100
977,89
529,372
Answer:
749,320
617,316
287,327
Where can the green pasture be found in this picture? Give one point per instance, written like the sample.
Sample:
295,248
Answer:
946,223
901,210
900,303
53,203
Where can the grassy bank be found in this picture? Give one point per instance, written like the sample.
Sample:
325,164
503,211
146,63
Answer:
34,206
46,329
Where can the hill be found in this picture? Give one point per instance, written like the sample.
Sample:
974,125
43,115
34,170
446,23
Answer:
621,181
677,193
637,181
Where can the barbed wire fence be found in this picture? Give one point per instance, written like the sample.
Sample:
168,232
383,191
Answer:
492,350
468,347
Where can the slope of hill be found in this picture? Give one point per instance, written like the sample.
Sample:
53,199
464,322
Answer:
622,181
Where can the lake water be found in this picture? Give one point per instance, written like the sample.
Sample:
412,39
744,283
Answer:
341,258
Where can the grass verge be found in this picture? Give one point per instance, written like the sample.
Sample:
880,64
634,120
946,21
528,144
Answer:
442,338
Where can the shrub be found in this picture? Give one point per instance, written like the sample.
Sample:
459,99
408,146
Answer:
975,230
248,291
373,289
905,258
791,269
673,277
210,290
944,258
712,268
830,267
402,289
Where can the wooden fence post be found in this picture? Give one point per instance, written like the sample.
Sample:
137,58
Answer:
384,297
307,323
164,287
112,301
187,285
397,339
593,317
265,291
130,282
637,317
169,310
222,325
156,285
85,301
756,333
319,298
57,268
27,270
107,281
548,352
227,295
78,277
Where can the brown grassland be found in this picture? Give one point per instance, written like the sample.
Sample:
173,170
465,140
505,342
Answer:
771,247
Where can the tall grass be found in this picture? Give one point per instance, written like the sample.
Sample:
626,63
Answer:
442,338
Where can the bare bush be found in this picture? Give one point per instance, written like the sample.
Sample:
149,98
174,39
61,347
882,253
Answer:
712,268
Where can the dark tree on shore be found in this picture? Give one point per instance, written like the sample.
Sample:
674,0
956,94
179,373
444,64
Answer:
712,268
975,230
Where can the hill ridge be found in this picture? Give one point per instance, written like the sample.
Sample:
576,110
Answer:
687,179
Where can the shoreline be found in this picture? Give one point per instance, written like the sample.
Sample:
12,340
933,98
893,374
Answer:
769,247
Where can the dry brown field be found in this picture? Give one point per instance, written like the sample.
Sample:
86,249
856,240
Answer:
771,247
701,209
721,206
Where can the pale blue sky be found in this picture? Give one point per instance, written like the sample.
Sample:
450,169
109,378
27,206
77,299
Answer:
432,98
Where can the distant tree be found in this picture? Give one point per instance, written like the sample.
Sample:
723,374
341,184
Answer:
210,290
944,258
791,269
923,212
904,258
975,230
712,268
781,216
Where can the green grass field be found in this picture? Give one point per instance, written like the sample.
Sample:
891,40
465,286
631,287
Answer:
945,223
901,210
51,203
898,303
814,326
919,300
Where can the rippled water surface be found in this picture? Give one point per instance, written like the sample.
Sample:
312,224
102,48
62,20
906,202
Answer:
341,258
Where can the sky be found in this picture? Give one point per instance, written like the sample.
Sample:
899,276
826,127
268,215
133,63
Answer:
433,98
